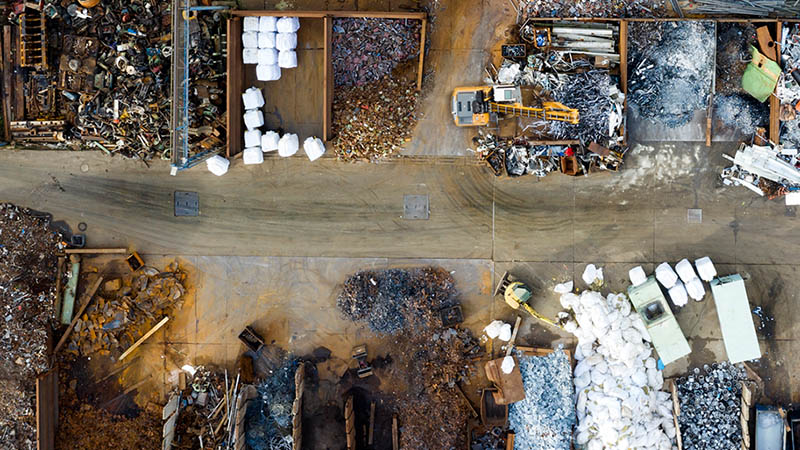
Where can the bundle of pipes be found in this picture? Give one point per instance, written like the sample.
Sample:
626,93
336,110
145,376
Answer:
570,38
759,8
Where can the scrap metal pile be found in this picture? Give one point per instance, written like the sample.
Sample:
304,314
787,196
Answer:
375,102
429,359
620,403
125,309
98,77
589,8
201,410
671,70
268,419
788,90
545,418
755,8
764,169
27,290
600,103
733,106
710,407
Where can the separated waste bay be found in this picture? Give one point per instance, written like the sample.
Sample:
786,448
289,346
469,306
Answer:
262,253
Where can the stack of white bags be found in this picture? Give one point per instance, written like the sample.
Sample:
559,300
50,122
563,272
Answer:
619,401
270,43
683,282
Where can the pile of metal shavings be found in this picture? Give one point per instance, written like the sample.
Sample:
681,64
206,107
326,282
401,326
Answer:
125,308
375,120
367,49
710,406
671,70
741,112
395,300
546,417
207,71
733,53
598,100
592,8
753,8
106,82
268,419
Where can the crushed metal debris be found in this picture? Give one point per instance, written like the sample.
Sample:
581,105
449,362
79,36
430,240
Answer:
591,8
268,419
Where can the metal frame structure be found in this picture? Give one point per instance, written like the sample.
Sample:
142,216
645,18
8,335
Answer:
182,13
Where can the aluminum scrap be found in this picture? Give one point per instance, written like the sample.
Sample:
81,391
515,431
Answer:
590,8
671,70
546,417
758,8
710,407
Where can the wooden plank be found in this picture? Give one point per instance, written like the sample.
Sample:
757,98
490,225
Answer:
623,72
371,423
395,436
327,88
234,86
774,103
710,108
510,440
96,251
144,338
17,79
258,13
6,67
422,53
510,345
46,410
87,298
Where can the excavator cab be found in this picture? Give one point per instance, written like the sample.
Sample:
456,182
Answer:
471,106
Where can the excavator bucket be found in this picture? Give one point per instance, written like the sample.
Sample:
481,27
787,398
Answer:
503,284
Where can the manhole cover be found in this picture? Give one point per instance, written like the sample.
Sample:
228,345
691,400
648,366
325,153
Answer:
416,207
695,216
187,204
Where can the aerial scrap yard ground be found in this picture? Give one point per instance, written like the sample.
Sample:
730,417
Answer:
321,258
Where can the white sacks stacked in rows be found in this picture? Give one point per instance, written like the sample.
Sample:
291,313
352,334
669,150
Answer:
619,402
253,100
286,41
259,41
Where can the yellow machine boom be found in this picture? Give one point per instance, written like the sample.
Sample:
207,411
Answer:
473,106
548,111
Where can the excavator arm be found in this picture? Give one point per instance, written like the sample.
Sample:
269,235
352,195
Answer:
548,111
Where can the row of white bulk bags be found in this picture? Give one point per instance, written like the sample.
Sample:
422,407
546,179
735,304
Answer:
267,24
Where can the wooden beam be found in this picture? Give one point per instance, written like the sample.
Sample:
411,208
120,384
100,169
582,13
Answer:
234,84
144,338
513,336
327,79
422,38
87,299
96,251
6,67
623,74
774,103
46,410
395,436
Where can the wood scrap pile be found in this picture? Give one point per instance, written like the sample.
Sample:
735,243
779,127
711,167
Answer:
125,309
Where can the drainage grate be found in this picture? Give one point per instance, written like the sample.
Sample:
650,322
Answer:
694,216
187,204
416,207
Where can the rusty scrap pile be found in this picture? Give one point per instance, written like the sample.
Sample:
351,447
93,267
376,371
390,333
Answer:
27,290
374,120
127,308
390,301
591,8
366,50
202,409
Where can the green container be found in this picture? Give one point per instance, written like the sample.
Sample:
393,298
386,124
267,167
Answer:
761,76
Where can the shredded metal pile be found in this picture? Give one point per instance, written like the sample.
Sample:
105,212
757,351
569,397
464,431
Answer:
373,121
544,419
671,70
710,405
755,8
390,301
125,309
268,419
27,289
593,94
365,50
741,112
592,8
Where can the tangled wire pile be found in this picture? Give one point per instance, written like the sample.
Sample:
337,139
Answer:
671,71
544,419
269,417
710,401
591,93
592,8
366,50
393,300
374,120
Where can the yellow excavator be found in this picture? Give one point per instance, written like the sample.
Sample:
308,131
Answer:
516,294
474,106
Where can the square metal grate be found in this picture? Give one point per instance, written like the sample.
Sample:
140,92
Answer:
416,207
187,204
694,216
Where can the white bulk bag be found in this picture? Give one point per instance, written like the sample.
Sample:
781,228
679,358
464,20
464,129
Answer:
287,59
695,289
288,145
218,165
267,56
665,275
268,24
254,119
678,294
493,329
288,25
250,55
685,270
253,155
252,138
705,268
268,72
637,275
250,39
266,40
250,24
253,98
269,141
286,41
314,148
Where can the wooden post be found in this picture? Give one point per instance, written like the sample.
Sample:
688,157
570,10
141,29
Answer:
327,76
371,422
59,272
423,36
144,338
96,251
513,336
235,66
395,436
87,299
774,103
